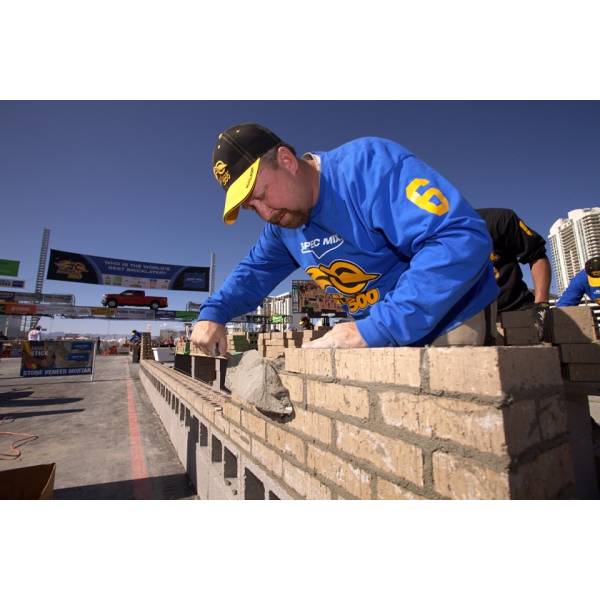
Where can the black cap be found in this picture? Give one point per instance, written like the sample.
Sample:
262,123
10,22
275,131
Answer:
592,266
235,162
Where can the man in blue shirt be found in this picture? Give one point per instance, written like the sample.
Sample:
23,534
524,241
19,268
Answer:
585,282
395,244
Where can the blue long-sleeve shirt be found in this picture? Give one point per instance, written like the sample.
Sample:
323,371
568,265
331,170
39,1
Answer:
580,284
395,243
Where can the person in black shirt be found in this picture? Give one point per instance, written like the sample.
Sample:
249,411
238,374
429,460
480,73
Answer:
514,243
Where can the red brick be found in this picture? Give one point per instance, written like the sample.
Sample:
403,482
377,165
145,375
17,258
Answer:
388,454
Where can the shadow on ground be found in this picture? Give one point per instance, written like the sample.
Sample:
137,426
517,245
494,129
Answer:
166,487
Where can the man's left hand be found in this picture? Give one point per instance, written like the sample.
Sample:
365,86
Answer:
343,335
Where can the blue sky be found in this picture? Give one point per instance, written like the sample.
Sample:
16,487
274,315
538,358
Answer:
133,179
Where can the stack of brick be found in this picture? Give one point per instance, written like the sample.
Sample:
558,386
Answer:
273,344
575,332
397,423
252,337
518,328
146,347
237,343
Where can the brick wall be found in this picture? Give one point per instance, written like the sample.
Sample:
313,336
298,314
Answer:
380,423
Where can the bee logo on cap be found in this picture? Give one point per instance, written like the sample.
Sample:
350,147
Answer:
221,173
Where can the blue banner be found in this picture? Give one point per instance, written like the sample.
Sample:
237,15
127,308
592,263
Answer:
100,270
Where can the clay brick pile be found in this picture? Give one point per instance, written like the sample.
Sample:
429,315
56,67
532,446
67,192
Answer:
574,330
273,344
387,423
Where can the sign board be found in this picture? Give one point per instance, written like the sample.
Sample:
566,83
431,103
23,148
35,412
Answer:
308,298
84,268
193,306
9,268
57,358
33,297
12,283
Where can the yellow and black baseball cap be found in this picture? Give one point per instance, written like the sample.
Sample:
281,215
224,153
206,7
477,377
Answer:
592,268
235,163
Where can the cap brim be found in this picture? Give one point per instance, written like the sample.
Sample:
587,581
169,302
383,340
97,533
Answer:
594,281
239,191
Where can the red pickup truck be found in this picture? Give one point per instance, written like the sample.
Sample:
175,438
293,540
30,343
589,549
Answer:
134,298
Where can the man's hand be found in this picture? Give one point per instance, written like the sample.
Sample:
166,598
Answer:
209,337
540,313
343,335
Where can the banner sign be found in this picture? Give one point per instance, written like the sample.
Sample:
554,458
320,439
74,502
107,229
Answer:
185,315
84,268
12,283
14,308
33,297
310,299
9,268
51,358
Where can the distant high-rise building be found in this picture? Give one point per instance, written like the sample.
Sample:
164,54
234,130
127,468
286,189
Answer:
573,241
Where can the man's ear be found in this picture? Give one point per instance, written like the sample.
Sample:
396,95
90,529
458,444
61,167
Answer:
287,160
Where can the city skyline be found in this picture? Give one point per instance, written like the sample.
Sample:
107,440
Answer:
132,180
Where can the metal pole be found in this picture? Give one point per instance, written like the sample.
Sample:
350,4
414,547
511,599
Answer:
211,285
39,282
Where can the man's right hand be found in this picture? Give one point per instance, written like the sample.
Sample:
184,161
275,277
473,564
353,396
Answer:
209,337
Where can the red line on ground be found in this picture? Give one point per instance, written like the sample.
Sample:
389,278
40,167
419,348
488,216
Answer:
142,490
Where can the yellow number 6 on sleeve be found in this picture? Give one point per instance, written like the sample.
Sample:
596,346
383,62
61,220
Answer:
424,200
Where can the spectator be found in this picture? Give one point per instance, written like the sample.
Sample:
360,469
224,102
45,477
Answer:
306,323
35,334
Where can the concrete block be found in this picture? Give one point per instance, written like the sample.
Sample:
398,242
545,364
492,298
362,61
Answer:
521,336
580,353
393,456
270,459
294,360
573,325
353,479
465,479
386,490
318,362
493,371
311,424
516,318
346,399
582,372
240,438
286,442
